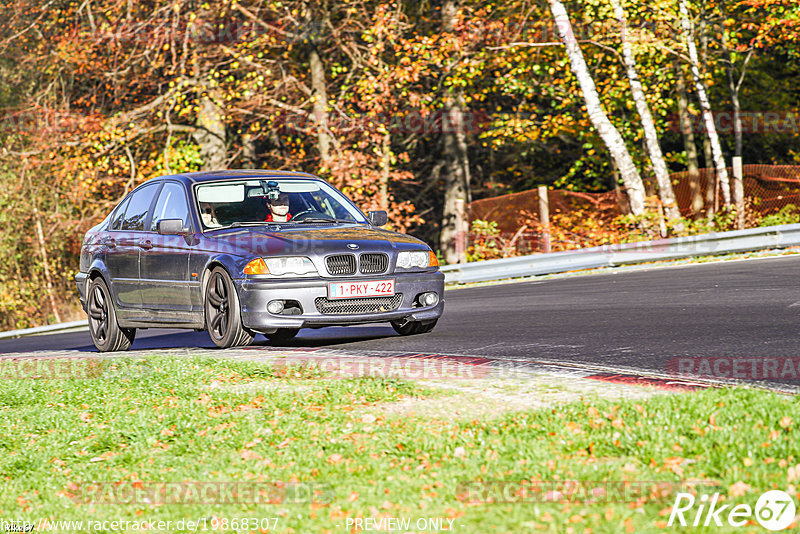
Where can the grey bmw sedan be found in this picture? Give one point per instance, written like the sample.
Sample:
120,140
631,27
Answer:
243,252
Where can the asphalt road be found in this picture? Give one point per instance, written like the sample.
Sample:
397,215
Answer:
636,319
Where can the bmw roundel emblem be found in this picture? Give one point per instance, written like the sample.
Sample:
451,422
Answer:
352,246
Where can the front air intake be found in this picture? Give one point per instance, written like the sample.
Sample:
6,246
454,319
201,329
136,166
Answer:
341,264
374,263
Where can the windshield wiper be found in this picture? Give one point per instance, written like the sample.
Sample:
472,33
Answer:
240,224
321,220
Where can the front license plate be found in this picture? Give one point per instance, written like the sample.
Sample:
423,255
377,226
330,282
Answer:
349,290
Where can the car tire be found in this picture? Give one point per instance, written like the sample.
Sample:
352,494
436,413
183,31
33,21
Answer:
410,328
106,333
282,334
222,312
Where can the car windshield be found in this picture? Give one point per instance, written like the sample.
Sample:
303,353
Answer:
256,201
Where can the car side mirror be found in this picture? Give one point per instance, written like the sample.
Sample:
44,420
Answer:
171,227
378,218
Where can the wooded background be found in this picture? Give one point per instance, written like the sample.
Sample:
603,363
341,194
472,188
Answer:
414,107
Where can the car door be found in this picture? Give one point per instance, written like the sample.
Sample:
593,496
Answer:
122,258
164,259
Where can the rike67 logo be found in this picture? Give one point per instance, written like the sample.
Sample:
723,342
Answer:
774,511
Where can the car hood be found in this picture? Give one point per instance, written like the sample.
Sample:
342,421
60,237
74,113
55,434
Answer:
315,240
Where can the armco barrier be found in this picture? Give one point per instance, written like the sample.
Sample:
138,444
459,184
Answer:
782,236
48,329
787,235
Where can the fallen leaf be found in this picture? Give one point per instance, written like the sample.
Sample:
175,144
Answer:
249,454
574,427
629,528
673,463
738,489
794,473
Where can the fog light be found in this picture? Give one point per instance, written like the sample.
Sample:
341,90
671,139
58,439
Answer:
275,307
429,299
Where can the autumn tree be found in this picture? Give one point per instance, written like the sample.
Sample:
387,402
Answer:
609,133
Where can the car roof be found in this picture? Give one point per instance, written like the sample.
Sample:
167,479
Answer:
190,178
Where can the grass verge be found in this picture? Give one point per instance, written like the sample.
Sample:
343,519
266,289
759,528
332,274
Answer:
102,447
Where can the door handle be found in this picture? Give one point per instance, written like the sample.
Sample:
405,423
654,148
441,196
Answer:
146,244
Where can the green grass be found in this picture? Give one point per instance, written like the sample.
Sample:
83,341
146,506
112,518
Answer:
197,420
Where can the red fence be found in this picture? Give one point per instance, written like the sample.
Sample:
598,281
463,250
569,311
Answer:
767,188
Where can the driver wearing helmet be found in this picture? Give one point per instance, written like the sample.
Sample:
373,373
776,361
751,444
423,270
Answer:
279,209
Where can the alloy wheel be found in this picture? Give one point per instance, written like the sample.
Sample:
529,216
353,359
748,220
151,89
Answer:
98,314
218,309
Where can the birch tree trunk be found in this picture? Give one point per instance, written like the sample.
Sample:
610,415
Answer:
705,106
665,191
738,186
685,122
610,135
455,224
733,86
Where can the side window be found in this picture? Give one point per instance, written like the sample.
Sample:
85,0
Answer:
137,209
171,205
119,215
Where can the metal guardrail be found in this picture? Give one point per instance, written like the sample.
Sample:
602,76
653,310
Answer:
787,235
48,329
782,236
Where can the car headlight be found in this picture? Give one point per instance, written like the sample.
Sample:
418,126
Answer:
298,265
419,259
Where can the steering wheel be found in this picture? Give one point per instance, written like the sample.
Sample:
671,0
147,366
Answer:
311,214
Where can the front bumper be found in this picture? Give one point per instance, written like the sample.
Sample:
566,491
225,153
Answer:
255,294
80,280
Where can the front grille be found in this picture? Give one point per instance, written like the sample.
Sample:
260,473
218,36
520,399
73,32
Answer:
358,306
341,264
374,263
